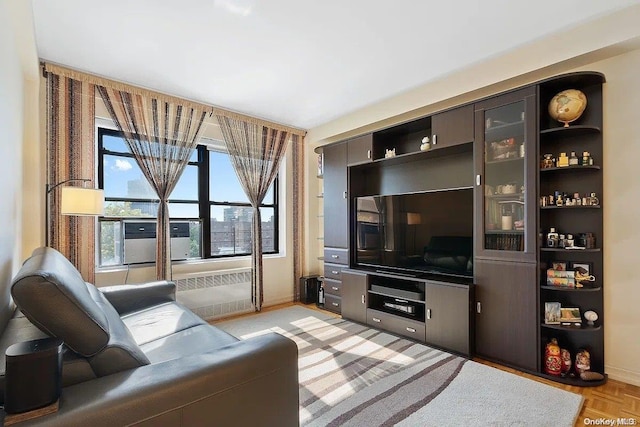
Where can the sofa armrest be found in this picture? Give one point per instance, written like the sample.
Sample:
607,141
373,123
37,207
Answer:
128,298
251,382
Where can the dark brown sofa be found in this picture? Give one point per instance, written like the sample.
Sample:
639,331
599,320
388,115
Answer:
134,356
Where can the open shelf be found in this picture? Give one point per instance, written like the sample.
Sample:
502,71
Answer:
570,289
571,207
569,250
579,167
574,381
572,130
583,328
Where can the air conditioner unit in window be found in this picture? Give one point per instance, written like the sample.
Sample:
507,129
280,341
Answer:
140,241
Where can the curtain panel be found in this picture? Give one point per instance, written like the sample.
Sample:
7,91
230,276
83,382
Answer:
298,211
70,144
255,151
162,136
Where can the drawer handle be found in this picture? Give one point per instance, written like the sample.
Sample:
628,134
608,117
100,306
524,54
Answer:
362,298
334,271
335,256
335,304
428,314
413,331
375,319
335,288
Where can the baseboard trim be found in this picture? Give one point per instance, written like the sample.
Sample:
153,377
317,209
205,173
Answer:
623,375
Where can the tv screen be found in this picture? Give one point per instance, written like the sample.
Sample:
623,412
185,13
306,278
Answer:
428,232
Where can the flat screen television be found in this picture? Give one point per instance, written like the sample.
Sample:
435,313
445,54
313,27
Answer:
418,233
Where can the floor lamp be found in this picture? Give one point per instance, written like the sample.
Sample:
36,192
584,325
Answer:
77,201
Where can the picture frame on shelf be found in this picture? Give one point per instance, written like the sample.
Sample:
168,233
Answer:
552,313
559,265
570,316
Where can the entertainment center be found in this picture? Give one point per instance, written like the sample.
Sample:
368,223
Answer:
436,229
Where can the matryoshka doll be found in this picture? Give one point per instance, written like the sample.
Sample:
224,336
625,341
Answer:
566,361
552,358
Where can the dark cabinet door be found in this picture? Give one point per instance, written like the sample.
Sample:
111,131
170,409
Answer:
359,149
354,295
452,127
448,316
506,312
336,222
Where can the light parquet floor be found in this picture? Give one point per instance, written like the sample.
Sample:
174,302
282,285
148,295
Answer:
614,400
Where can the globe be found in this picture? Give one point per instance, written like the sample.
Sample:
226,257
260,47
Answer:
567,106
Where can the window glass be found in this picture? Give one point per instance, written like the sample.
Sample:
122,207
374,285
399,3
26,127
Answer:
229,223
124,179
223,181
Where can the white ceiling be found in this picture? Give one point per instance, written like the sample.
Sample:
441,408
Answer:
296,62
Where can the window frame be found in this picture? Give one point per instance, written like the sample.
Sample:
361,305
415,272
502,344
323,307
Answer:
203,202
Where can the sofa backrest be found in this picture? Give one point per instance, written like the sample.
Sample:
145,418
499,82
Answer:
52,294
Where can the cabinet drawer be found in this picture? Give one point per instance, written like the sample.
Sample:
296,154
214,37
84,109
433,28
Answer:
336,256
333,271
332,287
333,303
396,324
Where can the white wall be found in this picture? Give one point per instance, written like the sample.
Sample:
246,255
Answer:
19,125
610,45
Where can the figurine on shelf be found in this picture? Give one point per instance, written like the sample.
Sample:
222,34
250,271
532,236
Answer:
566,361
583,361
389,153
552,359
425,146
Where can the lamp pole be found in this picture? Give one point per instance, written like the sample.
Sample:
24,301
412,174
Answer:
49,189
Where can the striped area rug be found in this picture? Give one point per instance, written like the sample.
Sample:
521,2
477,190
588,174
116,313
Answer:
352,375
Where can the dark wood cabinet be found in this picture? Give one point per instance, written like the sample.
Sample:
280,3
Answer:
495,146
336,208
448,316
360,149
506,314
354,295
452,127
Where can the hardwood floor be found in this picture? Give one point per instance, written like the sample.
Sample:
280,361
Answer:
614,400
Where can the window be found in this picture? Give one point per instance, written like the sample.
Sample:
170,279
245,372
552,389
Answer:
208,194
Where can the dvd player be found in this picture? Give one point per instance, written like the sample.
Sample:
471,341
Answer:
405,308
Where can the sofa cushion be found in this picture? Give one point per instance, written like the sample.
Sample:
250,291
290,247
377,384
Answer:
198,339
160,321
53,296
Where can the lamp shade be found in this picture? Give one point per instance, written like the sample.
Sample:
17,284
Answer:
81,201
413,218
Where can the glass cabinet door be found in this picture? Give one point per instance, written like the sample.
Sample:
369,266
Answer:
505,151
504,178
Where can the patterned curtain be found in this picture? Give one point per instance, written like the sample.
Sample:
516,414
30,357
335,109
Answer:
162,136
255,151
298,211
70,139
